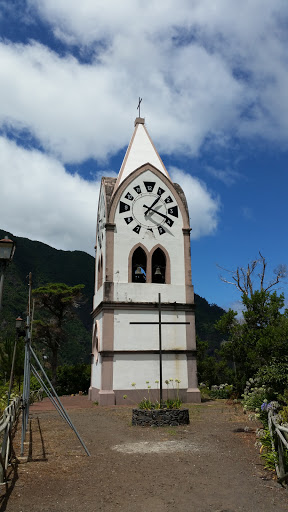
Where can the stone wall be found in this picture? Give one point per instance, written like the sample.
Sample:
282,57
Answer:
160,417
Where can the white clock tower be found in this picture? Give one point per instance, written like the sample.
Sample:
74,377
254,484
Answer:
142,249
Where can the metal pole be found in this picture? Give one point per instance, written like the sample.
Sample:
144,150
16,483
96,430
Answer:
26,380
2,269
48,392
23,431
58,400
28,373
160,349
1,288
29,346
12,371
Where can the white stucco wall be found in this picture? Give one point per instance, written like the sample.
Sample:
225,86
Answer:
141,368
142,292
96,374
98,297
96,366
146,337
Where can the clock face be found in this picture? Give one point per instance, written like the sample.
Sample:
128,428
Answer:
146,205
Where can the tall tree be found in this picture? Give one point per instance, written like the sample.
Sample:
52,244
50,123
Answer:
244,277
6,357
262,336
56,302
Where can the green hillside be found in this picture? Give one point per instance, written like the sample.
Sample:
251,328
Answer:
50,265
206,316
73,267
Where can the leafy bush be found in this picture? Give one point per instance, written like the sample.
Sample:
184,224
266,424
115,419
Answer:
170,403
283,416
254,395
268,454
222,391
72,379
274,375
146,404
3,397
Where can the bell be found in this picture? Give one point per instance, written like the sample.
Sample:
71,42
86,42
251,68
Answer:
138,271
158,272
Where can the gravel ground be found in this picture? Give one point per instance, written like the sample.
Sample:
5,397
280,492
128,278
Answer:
209,465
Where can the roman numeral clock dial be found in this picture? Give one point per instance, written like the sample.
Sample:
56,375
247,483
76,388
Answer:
148,206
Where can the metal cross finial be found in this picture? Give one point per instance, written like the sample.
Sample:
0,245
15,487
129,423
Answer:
138,108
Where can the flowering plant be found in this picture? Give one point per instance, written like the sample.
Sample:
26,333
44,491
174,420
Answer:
169,403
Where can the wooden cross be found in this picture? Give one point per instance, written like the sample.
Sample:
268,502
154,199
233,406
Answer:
138,108
160,323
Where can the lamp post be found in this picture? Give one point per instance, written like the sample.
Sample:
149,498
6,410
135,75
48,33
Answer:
7,249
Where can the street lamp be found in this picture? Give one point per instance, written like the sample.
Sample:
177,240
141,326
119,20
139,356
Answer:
7,249
19,323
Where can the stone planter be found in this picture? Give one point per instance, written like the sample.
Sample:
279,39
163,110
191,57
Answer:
160,417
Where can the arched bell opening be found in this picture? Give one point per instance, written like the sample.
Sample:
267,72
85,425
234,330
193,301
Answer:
139,266
158,266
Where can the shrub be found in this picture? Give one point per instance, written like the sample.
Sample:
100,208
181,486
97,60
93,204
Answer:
221,391
268,454
72,379
254,395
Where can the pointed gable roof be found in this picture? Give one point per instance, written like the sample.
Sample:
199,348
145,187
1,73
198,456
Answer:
141,150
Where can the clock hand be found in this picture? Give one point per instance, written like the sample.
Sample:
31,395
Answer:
153,204
155,211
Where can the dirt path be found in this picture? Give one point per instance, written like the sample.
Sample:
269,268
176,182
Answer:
209,465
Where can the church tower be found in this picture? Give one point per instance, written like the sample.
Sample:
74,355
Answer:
142,249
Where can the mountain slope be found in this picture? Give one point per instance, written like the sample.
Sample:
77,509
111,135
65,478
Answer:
50,265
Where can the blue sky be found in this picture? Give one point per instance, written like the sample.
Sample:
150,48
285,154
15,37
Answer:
214,84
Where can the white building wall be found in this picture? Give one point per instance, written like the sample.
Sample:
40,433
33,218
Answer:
142,292
146,337
96,366
98,297
140,368
96,374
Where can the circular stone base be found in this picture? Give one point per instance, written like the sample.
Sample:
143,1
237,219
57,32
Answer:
160,417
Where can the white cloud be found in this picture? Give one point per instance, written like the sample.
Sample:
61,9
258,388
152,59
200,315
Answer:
227,176
41,201
61,103
79,111
203,207
205,70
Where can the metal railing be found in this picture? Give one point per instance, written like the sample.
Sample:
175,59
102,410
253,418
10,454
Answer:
279,439
7,421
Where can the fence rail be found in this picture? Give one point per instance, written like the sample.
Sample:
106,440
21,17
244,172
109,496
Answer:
279,438
7,421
